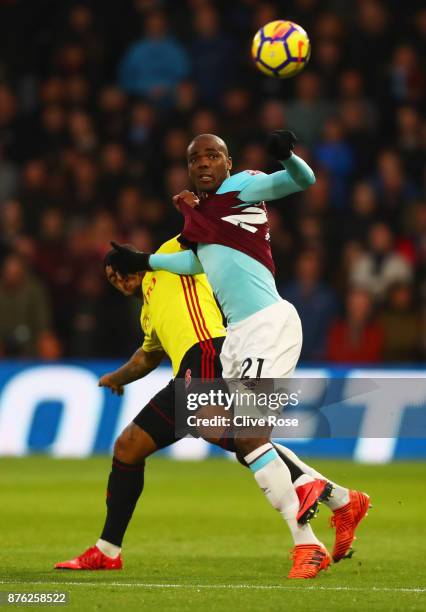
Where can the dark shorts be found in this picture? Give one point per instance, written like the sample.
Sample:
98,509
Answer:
200,362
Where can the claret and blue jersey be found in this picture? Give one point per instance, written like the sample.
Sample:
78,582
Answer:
231,231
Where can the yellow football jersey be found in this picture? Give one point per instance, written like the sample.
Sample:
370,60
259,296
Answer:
178,310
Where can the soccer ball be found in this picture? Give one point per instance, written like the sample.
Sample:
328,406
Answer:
281,49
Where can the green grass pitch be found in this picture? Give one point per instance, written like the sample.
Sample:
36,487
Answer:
204,538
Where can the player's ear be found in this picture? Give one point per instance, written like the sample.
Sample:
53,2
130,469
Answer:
229,163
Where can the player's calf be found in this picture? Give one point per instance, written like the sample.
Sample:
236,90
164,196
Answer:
125,486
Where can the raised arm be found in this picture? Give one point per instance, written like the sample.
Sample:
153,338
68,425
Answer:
297,176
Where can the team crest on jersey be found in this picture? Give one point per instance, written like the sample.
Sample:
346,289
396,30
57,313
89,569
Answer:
188,378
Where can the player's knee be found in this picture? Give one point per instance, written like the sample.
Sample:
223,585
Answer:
133,445
121,446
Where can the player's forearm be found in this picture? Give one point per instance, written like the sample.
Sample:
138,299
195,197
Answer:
297,176
299,171
139,365
185,262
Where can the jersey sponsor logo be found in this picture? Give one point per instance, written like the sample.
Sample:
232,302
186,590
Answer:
248,218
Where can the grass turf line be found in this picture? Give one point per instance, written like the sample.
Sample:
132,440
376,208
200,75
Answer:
203,537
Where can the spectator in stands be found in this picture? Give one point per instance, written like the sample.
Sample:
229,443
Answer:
52,262
392,187
401,325
128,209
364,212
327,61
12,223
370,37
236,104
407,76
84,197
272,116
24,309
380,266
186,101
359,117
336,156
114,174
307,113
9,132
154,65
112,106
410,141
87,314
53,135
413,245
34,192
8,177
212,54
82,131
315,302
352,252
358,338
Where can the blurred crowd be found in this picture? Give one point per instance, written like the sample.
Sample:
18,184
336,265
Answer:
98,101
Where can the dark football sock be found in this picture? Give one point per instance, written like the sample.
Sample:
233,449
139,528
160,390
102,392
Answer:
295,471
125,485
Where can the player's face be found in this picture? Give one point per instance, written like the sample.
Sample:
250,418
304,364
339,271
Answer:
127,285
208,165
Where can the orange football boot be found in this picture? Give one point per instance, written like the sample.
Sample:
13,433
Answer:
309,560
92,559
345,520
310,496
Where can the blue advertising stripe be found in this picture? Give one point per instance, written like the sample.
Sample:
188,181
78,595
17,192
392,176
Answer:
58,408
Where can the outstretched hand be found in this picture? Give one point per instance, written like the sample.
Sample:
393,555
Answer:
129,260
107,380
281,144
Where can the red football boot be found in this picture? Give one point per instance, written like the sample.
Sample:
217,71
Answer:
308,560
345,520
310,496
92,559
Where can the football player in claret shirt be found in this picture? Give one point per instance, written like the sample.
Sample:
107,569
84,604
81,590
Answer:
226,227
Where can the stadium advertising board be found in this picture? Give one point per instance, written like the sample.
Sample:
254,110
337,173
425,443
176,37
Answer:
59,409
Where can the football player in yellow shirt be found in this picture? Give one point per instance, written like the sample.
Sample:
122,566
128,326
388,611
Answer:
180,319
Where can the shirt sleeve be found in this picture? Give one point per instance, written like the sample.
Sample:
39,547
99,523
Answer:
297,176
151,343
184,262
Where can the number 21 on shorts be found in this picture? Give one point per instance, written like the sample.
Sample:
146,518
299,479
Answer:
252,368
